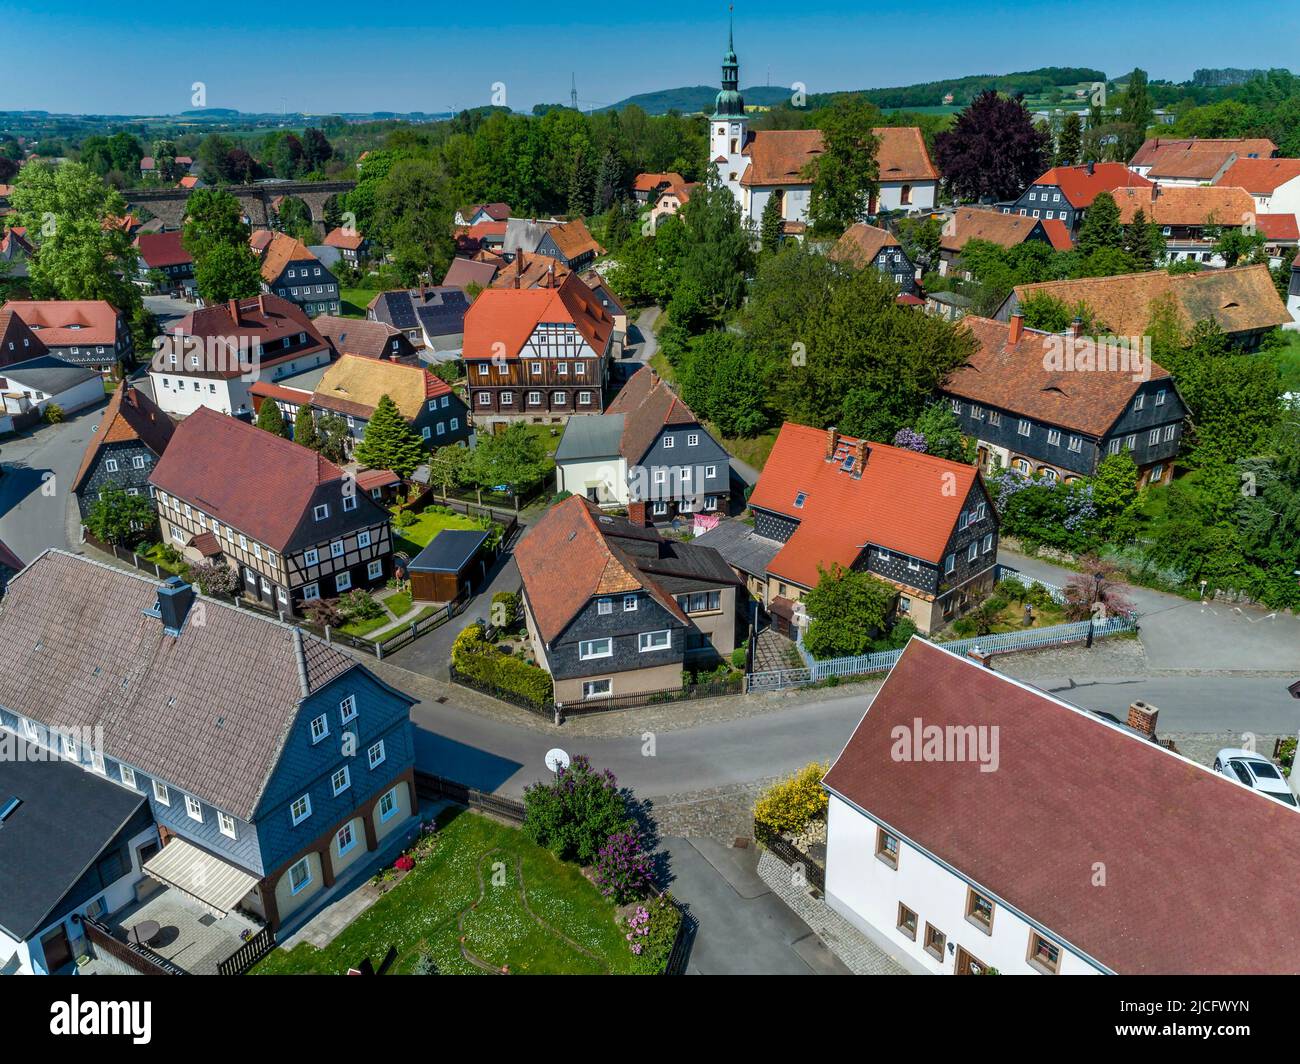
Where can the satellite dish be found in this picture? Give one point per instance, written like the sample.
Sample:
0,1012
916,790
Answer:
556,759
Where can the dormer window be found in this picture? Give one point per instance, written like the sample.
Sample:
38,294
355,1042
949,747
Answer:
321,512
349,502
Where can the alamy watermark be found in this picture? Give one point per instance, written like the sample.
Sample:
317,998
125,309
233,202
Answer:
946,743
1099,354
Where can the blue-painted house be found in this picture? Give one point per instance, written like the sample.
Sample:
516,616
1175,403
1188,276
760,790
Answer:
273,763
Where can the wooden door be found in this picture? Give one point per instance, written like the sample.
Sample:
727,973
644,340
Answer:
967,964
58,951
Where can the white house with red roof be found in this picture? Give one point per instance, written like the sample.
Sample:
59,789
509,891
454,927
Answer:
1274,183
759,165
922,524
977,823
214,355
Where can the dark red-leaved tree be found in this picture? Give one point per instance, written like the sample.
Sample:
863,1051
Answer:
993,150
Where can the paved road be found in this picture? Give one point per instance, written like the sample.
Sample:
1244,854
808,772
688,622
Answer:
497,754
1181,634
36,489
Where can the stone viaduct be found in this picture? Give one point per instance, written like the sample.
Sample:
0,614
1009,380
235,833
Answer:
168,204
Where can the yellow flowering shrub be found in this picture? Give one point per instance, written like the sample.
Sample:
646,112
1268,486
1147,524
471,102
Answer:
787,806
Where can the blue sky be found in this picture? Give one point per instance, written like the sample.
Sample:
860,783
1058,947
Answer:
328,55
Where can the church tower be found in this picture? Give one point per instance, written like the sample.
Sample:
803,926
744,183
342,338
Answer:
727,124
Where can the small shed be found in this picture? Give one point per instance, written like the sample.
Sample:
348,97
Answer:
448,565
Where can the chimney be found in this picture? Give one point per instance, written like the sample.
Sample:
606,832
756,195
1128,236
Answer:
1155,192
261,304
1076,327
1142,717
234,310
175,597
832,441
980,657
1091,168
1017,327
859,457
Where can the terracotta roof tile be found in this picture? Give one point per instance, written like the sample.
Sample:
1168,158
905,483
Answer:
508,316
1261,177
342,238
897,502
282,250
357,336
780,157
162,249
1242,299
1012,378
1080,187
650,182
861,243
1186,204
130,415
1278,226
574,239
1244,147
976,223
63,322
1073,791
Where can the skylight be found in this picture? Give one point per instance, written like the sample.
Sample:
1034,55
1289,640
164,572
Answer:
800,499
7,810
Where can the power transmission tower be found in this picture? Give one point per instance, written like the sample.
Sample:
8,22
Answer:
573,91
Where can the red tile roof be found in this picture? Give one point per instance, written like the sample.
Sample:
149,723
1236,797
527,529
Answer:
1012,377
861,243
1244,147
574,239
1058,234
650,182
498,212
648,404
899,502
65,322
780,157
267,319
282,250
1278,226
130,415
1081,188
162,249
259,483
342,238
508,316
376,478
1072,792
359,336
573,554
1193,205
1261,177
464,272
978,223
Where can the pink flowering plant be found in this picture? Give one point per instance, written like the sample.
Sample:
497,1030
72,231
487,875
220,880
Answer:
622,869
651,932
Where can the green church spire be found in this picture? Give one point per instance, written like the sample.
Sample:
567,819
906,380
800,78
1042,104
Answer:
729,102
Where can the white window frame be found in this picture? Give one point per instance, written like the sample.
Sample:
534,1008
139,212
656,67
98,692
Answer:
337,787
629,603
193,808
343,581
586,654
348,709
646,644
389,798
375,761
226,825
305,865
323,733
128,775
160,793
588,686
303,800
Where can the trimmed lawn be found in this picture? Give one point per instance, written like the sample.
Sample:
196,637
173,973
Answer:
399,603
353,301
155,554
360,629
415,537
513,903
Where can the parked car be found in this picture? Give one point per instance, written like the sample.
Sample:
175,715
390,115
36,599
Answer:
1257,773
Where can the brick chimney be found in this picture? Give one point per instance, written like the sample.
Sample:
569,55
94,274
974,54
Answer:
234,310
980,657
1017,327
832,441
261,304
637,514
859,457
1142,717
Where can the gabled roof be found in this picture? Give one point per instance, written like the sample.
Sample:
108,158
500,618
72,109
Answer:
67,322
779,157
1194,205
17,341
647,404
575,553
531,269
650,182
498,212
508,316
130,415
1261,177
268,319
84,812
259,483
343,238
280,252
364,381
525,234
464,272
1033,832
358,336
1176,162
162,249
892,504
573,239
1080,185
1012,377
1278,226
1058,234
77,650
438,310
1244,147
977,223
1241,299
861,243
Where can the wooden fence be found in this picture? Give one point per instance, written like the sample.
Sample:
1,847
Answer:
248,954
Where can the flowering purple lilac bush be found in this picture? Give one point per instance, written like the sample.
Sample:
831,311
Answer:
910,439
623,870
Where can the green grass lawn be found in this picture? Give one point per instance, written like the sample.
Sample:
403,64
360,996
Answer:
470,887
752,452
155,554
543,434
361,629
399,603
353,301
414,538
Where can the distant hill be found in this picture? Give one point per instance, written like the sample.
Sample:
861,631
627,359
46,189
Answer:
1029,82
694,98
